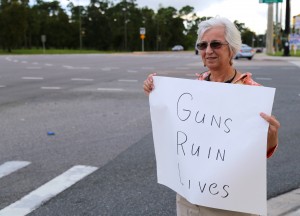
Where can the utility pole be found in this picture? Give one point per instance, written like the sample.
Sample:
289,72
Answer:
269,39
277,29
286,44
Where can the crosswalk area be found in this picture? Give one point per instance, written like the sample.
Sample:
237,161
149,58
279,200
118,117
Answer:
40,195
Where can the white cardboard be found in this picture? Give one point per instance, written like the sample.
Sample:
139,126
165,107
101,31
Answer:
210,141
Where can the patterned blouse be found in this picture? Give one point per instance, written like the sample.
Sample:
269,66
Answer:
245,79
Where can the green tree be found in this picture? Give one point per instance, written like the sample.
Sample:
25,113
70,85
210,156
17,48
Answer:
13,23
96,25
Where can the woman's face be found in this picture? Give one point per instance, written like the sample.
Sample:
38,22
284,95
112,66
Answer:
216,58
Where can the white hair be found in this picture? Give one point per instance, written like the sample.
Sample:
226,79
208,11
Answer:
232,34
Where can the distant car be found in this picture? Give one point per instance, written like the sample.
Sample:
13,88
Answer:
259,50
245,52
177,48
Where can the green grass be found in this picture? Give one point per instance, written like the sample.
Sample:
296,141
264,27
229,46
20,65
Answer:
291,53
50,51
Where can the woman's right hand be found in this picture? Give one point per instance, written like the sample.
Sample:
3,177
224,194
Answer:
148,84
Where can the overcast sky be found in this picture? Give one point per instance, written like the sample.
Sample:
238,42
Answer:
250,12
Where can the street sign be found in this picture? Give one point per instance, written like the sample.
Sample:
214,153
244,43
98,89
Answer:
142,36
270,1
142,31
43,38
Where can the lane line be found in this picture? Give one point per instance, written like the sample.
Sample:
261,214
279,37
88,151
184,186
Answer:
297,63
125,80
68,67
263,78
12,166
110,89
106,69
2,86
131,71
81,79
32,78
191,75
50,87
47,191
30,68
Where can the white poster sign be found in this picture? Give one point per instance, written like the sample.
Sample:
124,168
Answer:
210,142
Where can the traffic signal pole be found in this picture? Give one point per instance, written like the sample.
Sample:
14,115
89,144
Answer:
269,39
286,51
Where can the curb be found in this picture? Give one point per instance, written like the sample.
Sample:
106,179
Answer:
287,204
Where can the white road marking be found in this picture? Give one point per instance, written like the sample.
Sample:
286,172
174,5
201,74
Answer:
125,80
75,68
51,87
2,86
12,166
47,64
110,89
32,78
47,191
297,63
30,68
106,69
263,78
131,71
192,75
84,68
81,79
68,66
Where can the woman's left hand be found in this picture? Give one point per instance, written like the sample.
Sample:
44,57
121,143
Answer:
274,125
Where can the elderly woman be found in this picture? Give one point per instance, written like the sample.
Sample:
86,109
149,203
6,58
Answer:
218,42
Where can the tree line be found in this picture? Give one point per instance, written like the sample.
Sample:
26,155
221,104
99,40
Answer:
101,25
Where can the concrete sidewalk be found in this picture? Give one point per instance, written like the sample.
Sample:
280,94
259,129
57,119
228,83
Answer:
263,56
285,205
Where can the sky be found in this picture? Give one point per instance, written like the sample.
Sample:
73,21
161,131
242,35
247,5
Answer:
250,12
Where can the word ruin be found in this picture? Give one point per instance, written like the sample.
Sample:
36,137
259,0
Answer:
183,147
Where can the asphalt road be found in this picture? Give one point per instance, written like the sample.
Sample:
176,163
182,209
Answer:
96,109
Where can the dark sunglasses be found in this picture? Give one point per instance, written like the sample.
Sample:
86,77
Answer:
213,45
